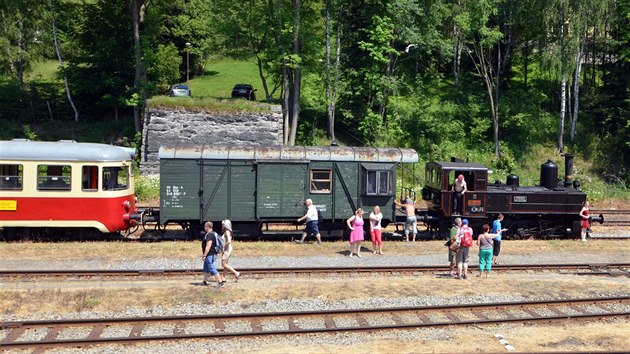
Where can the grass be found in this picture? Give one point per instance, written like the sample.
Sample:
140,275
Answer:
47,70
209,104
121,251
221,74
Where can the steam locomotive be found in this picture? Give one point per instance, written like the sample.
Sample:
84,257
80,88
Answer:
549,209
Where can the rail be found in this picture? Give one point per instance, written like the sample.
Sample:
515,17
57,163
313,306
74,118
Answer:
610,269
132,330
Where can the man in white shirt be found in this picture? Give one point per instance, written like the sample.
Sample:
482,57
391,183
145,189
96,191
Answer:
459,188
312,227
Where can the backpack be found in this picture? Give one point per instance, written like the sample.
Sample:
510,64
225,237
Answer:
467,239
218,243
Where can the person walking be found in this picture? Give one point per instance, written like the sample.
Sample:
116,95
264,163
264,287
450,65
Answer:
209,255
462,255
375,230
226,226
411,221
312,222
496,244
455,233
484,241
584,216
355,224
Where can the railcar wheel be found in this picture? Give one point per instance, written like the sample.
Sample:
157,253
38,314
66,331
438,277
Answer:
160,229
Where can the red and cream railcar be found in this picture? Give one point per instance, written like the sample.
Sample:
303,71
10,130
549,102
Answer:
47,187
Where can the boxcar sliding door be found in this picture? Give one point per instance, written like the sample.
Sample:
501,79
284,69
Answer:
280,190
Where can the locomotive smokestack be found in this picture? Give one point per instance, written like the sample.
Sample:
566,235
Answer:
568,170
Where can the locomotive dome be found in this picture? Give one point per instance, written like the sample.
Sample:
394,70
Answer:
290,153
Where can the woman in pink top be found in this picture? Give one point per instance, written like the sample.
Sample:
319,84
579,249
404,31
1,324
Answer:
355,224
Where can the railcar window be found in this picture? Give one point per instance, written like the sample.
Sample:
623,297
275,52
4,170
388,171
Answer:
115,178
89,178
378,183
321,181
54,177
11,177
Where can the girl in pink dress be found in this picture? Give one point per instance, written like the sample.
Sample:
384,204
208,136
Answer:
355,224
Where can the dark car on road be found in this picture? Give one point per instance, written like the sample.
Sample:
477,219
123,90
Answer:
246,91
179,90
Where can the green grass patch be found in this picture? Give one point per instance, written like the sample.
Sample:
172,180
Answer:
209,104
44,71
221,74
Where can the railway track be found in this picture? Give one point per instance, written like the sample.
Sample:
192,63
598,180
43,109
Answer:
89,332
609,269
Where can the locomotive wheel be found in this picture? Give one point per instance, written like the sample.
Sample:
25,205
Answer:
517,231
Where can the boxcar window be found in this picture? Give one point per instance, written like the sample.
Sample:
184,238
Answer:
115,178
10,177
321,181
89,178
54,177
378,183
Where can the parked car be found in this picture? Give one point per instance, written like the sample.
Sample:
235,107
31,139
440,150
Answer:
244,91
179,90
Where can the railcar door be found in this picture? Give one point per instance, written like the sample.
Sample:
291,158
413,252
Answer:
280,190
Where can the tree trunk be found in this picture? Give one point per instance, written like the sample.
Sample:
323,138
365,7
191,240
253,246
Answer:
297,73
328,93
576,93
137,80
563,103
335,86
61,66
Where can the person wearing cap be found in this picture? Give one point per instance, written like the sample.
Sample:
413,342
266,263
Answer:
411,221
458,189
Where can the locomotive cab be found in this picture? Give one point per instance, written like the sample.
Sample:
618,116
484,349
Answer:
438,192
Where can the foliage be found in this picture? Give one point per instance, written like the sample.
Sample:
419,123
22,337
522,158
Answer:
147,187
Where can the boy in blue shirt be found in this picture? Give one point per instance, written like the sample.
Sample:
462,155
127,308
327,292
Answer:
496,245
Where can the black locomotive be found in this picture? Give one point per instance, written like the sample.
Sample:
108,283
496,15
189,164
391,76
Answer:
550,209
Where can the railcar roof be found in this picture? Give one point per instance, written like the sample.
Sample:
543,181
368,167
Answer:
63,150
459,165
289,153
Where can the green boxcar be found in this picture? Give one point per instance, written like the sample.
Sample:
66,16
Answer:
270,183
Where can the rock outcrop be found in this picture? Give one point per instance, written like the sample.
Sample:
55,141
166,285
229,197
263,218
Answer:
176,126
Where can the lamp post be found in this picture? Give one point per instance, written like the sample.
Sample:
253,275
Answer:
187,62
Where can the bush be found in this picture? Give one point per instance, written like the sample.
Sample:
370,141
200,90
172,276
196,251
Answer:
147,187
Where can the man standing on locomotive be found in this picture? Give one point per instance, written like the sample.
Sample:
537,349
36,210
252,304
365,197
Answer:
312,222
458,189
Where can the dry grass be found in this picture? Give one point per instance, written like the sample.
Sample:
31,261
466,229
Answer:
23,299
117,251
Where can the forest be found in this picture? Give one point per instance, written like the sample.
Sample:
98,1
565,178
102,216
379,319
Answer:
489,80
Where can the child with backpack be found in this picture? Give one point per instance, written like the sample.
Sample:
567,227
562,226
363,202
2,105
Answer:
466,241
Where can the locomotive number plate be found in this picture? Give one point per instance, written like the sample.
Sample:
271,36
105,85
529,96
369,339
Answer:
520,199
8,205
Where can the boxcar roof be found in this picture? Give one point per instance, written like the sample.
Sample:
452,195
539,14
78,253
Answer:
63,150
459,165
289,153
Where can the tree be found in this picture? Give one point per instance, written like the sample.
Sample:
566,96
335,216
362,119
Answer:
24,35
482,37
61,66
